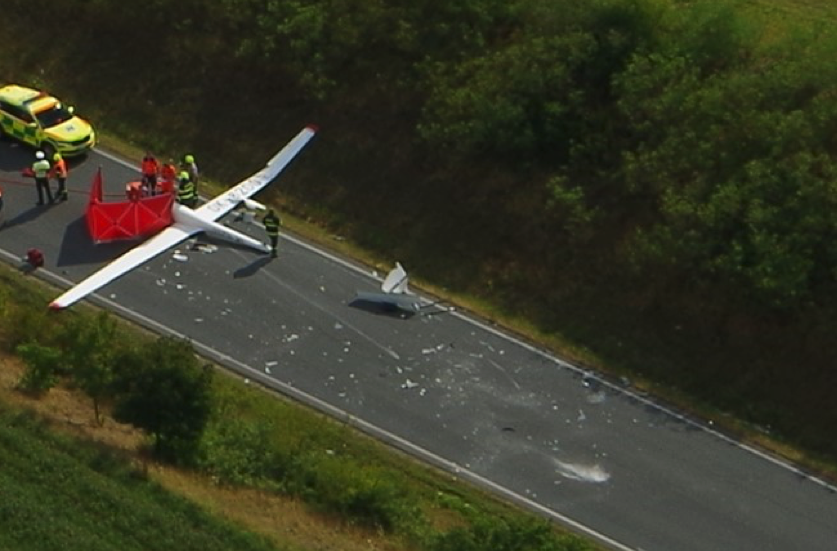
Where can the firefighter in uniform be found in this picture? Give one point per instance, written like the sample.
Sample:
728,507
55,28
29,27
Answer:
59,171
40,170
271,225
191,167
186,190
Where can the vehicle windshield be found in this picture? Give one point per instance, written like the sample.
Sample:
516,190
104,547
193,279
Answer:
54,116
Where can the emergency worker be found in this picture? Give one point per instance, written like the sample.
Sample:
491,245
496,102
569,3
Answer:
186,190
168,174
60,172
134,190
150,171
271,225
40,170
190,166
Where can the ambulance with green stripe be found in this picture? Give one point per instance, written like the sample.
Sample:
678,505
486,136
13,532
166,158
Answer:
42,121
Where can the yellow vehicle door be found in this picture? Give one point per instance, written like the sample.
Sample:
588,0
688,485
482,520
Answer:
18,123
6,121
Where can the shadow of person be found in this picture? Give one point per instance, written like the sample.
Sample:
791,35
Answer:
253,267
28,215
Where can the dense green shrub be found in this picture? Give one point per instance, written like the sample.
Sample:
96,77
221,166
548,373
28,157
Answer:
41,367
516,534
235,450
163,389
362,493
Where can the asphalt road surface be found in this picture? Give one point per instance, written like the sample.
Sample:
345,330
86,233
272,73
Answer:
451,390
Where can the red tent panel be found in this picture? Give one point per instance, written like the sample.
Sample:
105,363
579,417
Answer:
126,219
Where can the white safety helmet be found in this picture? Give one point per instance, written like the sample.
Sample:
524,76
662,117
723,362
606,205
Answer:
40,155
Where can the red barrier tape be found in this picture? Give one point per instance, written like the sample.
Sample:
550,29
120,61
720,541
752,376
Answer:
7,181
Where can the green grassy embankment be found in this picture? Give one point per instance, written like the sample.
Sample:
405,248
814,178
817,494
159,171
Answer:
58,493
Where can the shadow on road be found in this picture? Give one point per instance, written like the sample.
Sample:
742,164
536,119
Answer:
380,309
78,248
252,268
27,216
15,157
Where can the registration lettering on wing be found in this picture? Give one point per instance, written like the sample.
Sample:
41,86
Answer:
244,190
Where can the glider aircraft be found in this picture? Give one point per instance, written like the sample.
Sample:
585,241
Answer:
185,222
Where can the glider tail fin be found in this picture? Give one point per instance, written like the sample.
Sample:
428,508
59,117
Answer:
396,281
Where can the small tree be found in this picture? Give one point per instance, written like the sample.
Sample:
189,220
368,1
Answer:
162,389
41,366
89,351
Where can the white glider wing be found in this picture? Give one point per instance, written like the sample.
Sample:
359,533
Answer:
189,222
224,203
140,254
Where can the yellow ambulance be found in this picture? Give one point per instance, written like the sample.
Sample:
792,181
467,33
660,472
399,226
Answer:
42,121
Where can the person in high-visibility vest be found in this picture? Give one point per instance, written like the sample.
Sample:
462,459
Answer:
60,172
271,225
40,170
191,166
186,190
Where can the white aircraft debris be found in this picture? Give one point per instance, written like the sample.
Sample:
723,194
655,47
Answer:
597,397
395,292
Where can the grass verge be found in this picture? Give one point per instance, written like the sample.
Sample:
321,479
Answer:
56,490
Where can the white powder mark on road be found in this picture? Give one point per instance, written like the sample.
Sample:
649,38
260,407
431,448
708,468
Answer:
582,473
